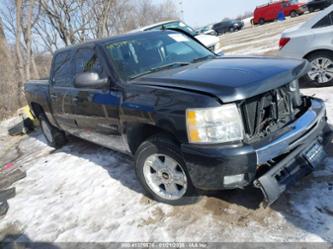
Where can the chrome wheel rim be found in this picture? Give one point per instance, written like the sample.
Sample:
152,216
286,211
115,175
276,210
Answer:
47,131
165,177
321,70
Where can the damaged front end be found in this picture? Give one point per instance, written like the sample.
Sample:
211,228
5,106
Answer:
288,132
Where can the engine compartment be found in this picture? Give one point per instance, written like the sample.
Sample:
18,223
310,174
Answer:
269,112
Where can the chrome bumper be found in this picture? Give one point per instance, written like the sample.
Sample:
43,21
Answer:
298,132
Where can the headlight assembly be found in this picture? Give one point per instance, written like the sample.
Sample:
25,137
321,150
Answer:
214,125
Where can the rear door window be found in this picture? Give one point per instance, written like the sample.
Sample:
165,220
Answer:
325,22
62,69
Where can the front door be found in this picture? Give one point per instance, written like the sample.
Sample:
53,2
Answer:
97,110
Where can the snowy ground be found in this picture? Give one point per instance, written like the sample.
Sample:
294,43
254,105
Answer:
84,192
259,39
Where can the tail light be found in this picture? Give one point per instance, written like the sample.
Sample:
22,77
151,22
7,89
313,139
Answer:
283,42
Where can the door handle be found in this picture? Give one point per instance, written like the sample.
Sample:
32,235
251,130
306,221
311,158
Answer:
75,99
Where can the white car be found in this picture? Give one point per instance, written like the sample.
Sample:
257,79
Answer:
210,41
207,30
312,40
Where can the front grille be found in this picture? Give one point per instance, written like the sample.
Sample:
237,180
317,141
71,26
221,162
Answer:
268,112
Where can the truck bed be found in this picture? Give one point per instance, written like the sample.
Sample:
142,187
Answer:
37,91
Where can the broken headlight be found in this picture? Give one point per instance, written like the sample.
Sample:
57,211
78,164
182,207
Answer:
296,94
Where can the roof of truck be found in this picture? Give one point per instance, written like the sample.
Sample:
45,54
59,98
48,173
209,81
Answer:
111,39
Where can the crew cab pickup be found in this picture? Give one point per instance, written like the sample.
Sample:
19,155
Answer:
190,118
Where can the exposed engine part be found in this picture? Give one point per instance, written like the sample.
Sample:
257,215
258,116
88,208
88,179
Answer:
271,111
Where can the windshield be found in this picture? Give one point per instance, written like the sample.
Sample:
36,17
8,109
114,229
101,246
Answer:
144,54
176,25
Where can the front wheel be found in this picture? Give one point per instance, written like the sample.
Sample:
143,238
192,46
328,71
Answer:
162,172
321,73
293,14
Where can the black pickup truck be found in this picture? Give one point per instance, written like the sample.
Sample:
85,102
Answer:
191,119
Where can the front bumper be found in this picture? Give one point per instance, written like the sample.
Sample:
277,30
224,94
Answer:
208,165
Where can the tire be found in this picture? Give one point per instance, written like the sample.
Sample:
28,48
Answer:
293,14
232,29
54,137
157,161
321,73
311,9
261,21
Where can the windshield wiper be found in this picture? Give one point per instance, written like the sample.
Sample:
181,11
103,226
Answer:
163,67
203,58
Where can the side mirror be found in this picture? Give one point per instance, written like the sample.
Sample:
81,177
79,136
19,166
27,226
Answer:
90,80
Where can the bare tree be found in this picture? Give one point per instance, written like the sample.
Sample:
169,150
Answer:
18,36
29,13
70,18
145,13
27,36
7,100
100,13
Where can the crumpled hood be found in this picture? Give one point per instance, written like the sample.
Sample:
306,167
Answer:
230,78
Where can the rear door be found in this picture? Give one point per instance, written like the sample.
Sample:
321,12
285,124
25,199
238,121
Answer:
61,90
97,110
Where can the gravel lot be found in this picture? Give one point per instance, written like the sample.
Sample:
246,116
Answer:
84,192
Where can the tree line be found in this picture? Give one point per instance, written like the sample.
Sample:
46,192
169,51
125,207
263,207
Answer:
31,30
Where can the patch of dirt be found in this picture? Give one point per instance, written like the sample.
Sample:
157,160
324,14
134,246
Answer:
156,216
11,230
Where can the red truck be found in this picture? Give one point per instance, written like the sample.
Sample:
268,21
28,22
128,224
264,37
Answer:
269,12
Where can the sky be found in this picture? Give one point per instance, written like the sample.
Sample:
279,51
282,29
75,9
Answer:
203,12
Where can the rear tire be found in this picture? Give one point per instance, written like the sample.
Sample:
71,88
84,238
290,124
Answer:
321,73
232,29
54,137
261,21
162,172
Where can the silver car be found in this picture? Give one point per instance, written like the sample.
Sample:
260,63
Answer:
312,40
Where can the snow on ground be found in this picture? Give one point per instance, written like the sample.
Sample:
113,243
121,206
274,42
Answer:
259,39
84,192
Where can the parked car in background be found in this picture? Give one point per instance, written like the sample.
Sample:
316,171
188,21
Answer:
313,41
269,12
207,30
190,119
228,26
210,41
318,4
